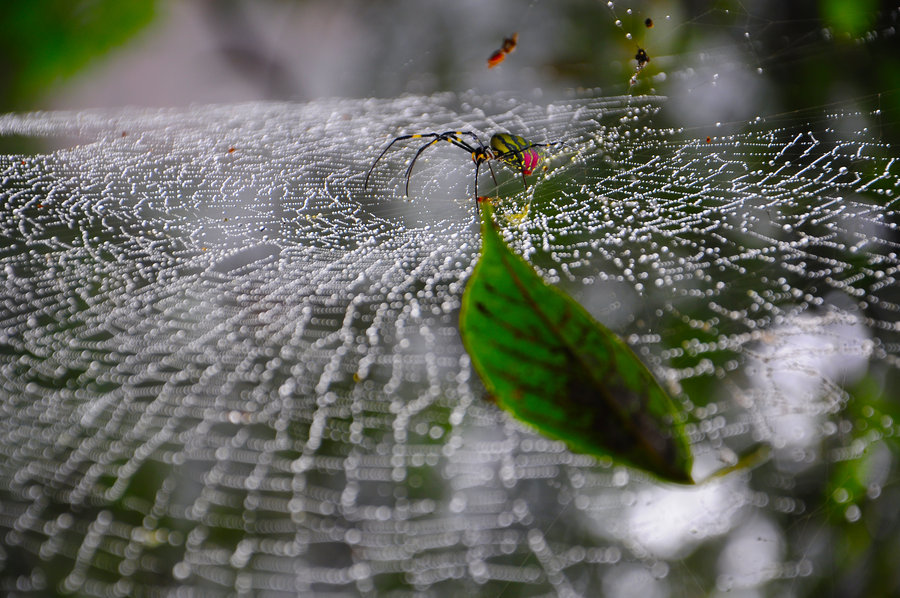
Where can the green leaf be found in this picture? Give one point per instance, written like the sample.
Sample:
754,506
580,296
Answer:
42,43
550,364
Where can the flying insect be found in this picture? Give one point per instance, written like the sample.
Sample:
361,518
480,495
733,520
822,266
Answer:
509,44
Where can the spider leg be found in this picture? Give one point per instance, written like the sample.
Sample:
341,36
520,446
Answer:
518,151
477,166
416,157
519,160
452,137
384,151
492,173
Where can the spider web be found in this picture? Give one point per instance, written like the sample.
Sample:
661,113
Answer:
228,369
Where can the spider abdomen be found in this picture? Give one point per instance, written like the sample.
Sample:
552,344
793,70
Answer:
516,151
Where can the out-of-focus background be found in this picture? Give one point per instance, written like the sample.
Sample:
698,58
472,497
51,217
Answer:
764,56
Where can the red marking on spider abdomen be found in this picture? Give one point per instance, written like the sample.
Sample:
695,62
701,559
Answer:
530,160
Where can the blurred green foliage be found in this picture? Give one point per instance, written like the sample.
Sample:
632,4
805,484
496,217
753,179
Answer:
849,16
46,41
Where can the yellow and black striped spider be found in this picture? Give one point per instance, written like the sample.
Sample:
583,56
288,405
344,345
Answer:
515,151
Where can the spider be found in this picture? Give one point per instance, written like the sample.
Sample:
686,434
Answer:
515,151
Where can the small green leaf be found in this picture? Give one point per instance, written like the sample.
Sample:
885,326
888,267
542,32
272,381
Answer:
550,364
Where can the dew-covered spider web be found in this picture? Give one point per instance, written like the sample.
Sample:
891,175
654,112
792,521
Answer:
226,369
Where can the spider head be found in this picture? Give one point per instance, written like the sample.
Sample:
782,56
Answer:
481,155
